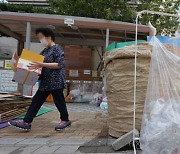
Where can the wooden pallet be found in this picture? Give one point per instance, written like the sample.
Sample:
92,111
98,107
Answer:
11,109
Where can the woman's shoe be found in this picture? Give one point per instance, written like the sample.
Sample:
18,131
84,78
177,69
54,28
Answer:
62,125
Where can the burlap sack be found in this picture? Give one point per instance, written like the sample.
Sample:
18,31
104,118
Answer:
119,66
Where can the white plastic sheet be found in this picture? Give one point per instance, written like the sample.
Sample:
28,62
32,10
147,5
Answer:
160,133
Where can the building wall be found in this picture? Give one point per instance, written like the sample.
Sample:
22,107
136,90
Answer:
77,57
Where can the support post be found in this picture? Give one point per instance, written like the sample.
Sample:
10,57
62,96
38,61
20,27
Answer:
20,47
125,36
28,35
107,37
26,88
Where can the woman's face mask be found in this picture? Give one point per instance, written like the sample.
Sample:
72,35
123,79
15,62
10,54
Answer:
44,42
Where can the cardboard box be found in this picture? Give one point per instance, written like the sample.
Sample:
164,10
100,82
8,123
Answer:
22,73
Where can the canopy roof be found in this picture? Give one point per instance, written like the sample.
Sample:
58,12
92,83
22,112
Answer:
84,31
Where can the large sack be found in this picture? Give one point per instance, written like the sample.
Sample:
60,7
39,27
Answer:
119,66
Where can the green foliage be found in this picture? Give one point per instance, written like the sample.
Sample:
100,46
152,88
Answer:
24,8
118,10
104,9
165,25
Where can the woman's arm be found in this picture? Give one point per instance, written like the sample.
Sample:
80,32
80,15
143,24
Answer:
36,65
50,65
58,63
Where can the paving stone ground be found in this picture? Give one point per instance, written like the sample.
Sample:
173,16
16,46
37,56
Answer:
88,134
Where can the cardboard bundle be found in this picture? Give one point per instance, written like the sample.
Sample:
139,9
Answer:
119,65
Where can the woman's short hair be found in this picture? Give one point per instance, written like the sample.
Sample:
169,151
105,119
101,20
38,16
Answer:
47,32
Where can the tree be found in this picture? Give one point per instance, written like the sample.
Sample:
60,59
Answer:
27,8
118,10
104,9
165,25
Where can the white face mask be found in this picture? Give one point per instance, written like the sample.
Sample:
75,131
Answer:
44,42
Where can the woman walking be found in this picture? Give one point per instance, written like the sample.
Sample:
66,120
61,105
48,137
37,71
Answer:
52,81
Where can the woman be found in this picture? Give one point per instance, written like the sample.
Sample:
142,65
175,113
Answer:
52,79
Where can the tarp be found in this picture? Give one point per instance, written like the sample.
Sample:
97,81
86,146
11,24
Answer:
40,112
114,45
166,40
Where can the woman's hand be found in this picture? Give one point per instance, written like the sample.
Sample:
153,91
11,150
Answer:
35,65
16,57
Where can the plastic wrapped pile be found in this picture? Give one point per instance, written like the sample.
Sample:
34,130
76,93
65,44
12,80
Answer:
160,133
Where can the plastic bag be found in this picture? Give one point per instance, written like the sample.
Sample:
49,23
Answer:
85,91
160,133
104,104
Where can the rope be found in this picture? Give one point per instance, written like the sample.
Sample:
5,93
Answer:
135,67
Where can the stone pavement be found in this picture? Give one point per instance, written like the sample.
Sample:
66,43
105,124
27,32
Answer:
88,134
55,146
77,107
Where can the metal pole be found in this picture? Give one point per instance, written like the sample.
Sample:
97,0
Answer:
107,37
26,88
20,47
28,35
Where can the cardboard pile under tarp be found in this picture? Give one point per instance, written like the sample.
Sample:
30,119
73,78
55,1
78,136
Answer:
119,65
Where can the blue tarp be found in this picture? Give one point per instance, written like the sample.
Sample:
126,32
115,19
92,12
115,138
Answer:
166,40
